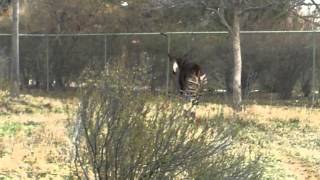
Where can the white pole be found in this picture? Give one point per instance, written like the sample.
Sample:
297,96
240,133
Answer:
15,67
47,63
314,51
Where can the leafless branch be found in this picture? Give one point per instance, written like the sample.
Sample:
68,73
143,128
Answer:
220,11
305,18
316,5
255,8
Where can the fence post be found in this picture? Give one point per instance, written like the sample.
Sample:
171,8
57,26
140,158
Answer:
168,65
314,53
15,56
47,64
106,63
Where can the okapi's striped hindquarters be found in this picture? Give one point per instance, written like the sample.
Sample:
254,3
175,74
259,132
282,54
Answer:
195,86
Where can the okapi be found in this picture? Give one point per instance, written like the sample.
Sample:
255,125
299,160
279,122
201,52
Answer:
190,76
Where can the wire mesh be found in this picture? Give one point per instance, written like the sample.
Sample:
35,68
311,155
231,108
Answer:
5,47
276,64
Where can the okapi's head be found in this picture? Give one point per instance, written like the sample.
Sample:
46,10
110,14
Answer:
177,63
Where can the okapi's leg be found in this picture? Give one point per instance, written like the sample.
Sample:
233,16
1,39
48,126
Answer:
190,111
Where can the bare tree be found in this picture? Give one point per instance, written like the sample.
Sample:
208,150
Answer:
231,14
15,72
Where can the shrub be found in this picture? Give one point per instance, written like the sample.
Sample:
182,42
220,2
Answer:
120,135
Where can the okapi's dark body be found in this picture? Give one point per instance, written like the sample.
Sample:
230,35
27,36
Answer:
187,70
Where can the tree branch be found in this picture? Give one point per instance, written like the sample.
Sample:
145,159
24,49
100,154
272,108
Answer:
305,18
316,5
220,12
255,8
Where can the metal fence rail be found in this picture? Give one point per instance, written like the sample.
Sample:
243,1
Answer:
157,33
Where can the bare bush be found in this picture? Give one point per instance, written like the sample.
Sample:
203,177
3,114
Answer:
123,136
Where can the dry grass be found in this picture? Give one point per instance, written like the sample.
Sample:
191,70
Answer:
289,137
34,141
264,113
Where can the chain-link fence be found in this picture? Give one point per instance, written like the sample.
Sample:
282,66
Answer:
276,64
5,41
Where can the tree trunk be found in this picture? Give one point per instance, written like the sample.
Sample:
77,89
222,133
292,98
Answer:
15,71
236,48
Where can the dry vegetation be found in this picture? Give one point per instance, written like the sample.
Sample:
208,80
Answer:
34,137
289,137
